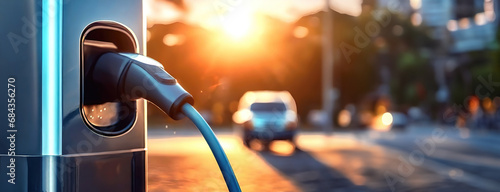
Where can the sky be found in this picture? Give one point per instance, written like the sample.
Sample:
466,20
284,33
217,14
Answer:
216,13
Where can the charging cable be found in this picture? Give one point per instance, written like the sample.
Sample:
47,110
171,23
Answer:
129,76
213,143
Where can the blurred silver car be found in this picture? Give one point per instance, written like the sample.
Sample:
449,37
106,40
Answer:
267,116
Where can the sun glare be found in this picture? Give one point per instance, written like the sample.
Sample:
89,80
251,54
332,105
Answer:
238,24
240,32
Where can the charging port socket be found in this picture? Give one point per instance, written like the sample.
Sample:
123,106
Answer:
103,114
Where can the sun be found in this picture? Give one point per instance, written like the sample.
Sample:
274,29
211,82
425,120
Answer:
237,29
238,24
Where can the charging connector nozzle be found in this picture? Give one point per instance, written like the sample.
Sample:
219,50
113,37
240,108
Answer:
129,76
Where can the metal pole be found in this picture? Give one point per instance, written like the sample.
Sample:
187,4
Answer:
327,66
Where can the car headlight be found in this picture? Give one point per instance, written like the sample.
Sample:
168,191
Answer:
387,118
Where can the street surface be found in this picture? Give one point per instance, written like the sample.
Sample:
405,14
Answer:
420,158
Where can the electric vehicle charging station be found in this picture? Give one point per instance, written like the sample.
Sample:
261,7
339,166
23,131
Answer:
62,130
60,146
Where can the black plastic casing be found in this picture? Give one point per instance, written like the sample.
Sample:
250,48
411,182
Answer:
127,76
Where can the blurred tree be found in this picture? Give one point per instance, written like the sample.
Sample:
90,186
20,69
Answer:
485,70
411,74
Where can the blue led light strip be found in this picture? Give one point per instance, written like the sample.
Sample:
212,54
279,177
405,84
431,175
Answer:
51,90
51,77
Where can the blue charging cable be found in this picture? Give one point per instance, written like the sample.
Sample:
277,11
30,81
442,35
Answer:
118,75
213,143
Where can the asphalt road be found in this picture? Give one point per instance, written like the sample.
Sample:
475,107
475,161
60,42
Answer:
421,158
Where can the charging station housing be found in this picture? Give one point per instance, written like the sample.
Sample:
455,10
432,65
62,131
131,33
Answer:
63,139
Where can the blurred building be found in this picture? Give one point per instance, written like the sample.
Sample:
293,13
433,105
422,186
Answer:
471,24
474,25
464,32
